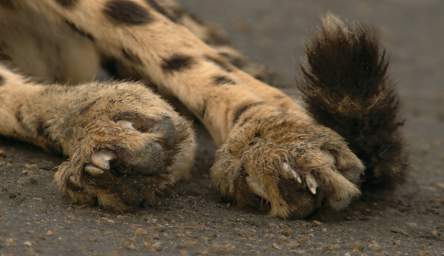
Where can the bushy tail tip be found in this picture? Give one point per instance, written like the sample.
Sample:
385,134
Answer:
346,87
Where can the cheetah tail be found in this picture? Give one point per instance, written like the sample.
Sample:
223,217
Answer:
346,87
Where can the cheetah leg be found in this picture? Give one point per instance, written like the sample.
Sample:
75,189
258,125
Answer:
269,146
125,145
214,37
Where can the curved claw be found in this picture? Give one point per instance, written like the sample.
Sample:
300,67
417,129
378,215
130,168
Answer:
292,172
94,171
312,184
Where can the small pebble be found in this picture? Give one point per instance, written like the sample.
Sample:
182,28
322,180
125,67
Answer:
276,246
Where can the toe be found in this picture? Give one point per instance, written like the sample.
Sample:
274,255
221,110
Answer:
94,171
311,182
339,190
291,173
102,159
347,162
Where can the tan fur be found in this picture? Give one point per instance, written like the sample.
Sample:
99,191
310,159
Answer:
258,128
80,121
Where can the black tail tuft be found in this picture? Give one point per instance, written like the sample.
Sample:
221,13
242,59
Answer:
346,88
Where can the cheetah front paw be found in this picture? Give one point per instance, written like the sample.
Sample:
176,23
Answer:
295,166
127,161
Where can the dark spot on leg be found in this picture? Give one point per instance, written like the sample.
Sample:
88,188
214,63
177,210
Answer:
237,61
173,14
111,66
116,69
41,128
177,62
19,117
220,62
42,131
223,80
79,31
132,57
157,7
67,3
2,80
244,108
127,13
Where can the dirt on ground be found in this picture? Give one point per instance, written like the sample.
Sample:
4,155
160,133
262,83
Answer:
36,220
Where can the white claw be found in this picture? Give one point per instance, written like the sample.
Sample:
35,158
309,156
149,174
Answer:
126,124
296,176
292,172
311,183
101,159
94,171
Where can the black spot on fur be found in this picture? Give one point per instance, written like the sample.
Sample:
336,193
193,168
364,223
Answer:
79,31
220,62
67,3
117,70
223,80
155,5
42,131
236,61
132,57
110,65
2,80
173,14
177,62
346,88
19,117
127,13
244,108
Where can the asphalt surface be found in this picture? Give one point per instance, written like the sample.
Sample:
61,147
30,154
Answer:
36,220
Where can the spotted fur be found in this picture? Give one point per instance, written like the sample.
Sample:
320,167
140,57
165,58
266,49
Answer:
125,145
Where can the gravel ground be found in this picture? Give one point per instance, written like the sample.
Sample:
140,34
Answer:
35,220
